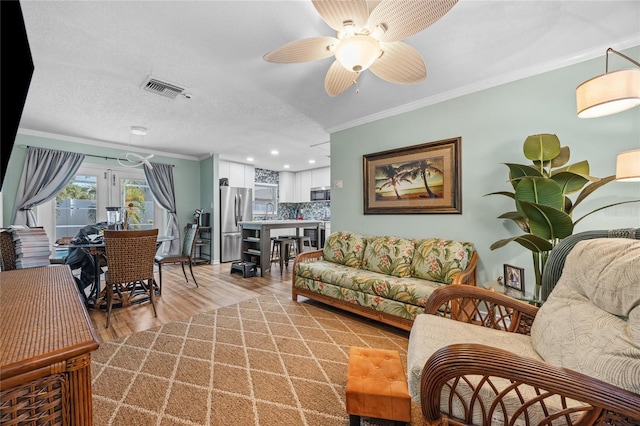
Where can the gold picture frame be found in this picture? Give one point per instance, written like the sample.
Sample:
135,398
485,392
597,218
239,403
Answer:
419,179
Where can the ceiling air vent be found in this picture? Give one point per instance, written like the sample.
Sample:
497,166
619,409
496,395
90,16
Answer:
162,88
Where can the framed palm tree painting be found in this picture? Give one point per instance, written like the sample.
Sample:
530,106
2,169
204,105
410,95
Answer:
416,179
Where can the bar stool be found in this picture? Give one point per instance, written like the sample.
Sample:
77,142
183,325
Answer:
301,243
284,246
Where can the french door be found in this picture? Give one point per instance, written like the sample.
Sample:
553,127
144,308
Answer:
85,200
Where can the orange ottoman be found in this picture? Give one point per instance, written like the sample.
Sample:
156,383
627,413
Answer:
377,386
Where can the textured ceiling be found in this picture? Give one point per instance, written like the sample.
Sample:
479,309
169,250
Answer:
92,57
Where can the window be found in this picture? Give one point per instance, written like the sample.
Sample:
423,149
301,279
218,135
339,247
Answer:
265,200
85,199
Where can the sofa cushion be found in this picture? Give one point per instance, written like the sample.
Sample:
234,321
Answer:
360,298
439,259
389,255
345,248
430,333
587,323
408,290
328,272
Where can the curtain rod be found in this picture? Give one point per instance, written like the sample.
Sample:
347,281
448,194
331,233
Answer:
88,155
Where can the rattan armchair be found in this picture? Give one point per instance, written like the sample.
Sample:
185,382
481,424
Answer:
461,370
130,266
185,256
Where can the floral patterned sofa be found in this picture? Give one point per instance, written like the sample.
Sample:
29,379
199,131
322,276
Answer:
385,278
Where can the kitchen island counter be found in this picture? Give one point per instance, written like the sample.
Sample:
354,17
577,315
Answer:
256,238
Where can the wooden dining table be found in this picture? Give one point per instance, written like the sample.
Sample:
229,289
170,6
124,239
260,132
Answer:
96,252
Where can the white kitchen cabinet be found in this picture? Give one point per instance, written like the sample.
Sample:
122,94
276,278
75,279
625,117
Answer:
236,175
223,169
321,178
250,179
239,175
287,187
303,186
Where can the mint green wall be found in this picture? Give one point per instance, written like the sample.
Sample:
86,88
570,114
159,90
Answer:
493,125
186,172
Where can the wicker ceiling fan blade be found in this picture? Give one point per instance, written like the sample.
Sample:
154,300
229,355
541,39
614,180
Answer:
404,18
400,63
336,12
309,49
338,79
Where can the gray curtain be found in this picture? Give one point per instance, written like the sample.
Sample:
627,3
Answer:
160,180
46,172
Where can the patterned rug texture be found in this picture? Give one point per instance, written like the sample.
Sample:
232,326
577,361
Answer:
267,361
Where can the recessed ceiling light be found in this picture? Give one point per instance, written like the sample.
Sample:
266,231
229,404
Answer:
274,152
249,158
286,166
312,161
138,130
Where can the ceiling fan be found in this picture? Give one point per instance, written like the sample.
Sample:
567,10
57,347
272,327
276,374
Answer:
368,37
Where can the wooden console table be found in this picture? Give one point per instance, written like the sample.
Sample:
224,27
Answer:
46,340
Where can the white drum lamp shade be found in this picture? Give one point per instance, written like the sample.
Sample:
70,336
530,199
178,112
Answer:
628,166
608,93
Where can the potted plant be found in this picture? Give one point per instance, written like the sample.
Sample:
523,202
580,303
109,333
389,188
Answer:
541,195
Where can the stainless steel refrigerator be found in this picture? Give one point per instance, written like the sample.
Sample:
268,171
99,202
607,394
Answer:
236,205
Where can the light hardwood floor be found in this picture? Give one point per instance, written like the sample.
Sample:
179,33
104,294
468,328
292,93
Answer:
179,300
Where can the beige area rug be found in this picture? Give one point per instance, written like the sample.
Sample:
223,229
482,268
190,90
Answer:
267,361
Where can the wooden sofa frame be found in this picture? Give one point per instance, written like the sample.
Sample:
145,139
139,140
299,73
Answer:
468,277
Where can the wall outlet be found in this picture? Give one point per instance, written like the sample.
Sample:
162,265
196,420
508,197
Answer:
337,183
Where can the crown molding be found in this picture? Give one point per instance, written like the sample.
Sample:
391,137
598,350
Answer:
489,83
94,142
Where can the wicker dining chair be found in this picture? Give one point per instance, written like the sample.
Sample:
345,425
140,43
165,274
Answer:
185,256
129,265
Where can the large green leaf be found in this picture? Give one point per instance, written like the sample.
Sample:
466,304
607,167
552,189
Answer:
570,182
539,191
530,242
562,158
588,190
518,171
521,221
505,193
580,168
547,222
543,147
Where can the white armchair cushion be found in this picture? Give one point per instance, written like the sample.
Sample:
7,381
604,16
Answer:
590,322
430,333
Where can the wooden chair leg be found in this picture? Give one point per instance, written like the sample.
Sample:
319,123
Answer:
185,272
109,291
160,274
193,276
152,295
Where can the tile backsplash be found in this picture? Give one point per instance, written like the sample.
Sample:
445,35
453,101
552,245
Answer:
316,210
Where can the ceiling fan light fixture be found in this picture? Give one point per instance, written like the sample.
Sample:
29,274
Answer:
357,53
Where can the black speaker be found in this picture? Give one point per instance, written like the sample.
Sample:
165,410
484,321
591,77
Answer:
205,219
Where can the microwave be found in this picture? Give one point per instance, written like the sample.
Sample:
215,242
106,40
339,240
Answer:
320,194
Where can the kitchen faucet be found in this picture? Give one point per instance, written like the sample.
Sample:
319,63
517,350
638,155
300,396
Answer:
267,209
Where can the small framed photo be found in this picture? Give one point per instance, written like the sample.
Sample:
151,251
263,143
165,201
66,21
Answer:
514,277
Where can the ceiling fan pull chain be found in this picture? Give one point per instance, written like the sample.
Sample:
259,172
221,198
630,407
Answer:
355,81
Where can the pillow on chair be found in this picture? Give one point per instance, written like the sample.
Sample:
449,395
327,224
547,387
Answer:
591,321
